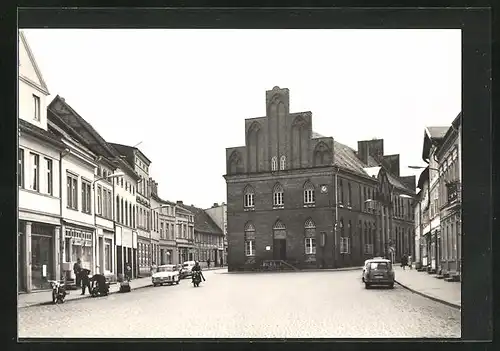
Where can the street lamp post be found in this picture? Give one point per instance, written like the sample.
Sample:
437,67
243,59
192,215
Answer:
430,219
115,175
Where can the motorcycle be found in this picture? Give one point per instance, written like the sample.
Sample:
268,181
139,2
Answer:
196,278
58,291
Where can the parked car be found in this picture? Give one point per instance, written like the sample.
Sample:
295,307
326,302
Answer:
166,274
378,271
186,268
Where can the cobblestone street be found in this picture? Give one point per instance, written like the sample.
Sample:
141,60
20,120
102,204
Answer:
274,305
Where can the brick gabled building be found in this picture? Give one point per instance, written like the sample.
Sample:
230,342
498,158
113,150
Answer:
296,196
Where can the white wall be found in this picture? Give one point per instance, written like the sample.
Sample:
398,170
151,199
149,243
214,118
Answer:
155,234
74,165
39,200
26,91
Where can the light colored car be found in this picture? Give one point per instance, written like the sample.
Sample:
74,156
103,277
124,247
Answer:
378,271
187,267
166,274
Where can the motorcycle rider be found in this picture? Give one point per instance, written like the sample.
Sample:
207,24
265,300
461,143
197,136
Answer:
197,268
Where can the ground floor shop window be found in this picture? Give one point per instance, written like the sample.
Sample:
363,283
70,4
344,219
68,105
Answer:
41,261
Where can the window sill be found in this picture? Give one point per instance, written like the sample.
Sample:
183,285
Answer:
38,193
278,207
310,205
72,208
247,209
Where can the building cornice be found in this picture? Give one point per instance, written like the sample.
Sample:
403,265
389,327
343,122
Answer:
42,138
33,85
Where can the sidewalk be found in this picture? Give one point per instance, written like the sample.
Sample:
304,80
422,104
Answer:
45,297
422,283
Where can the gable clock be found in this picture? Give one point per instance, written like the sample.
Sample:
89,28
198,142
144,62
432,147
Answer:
324,189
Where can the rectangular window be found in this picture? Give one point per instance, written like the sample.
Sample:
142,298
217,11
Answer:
36,105
310,244
249,200
278,198
35,174
99,201
250,247
72,191
309,196
20,169
107,255
344,245
86,197
50,179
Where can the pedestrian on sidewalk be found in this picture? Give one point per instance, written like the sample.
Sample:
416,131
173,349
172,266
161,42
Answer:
404,261
77,269
410,262
128,271
85,280
221,262
208,263
154,268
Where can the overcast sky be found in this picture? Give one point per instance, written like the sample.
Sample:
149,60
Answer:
186,93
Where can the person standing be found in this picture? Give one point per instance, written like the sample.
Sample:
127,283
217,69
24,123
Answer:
128,272
404,261
154,268
208,263
409,262
221,262
77,268
85,280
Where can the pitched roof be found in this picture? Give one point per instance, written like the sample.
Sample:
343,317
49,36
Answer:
33,62
346,157
373,171
397,183
46,135
203,223
127,149
315,135
71,120
436,132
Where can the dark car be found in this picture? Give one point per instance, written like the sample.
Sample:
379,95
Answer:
378,271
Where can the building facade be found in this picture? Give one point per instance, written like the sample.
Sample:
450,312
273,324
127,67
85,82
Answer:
450,199
184,233
168,247
40,152
140,163
156,206
433,137
208,238
218,213
296,196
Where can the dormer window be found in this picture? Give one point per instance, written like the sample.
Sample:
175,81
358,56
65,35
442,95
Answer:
274,164
282,162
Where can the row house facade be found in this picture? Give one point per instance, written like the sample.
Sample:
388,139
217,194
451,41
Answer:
39,160
184,233
140,163
168,246
218,213
208,238
433,137
296,196
113,187
156,206
449,159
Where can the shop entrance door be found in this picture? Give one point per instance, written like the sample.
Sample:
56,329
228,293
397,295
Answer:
119,260
42,267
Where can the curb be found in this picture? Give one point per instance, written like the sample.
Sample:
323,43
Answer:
444,302
46,303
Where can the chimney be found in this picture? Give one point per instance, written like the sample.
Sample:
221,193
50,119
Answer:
179,202
215,205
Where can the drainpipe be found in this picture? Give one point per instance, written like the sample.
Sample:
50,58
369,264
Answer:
335,255
62,237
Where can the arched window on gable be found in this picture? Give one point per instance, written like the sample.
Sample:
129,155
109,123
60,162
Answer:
309,196
249,197
249,239
274,163
278,195
310,237
282,162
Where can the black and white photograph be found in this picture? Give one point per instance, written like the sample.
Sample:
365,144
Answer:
239,183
